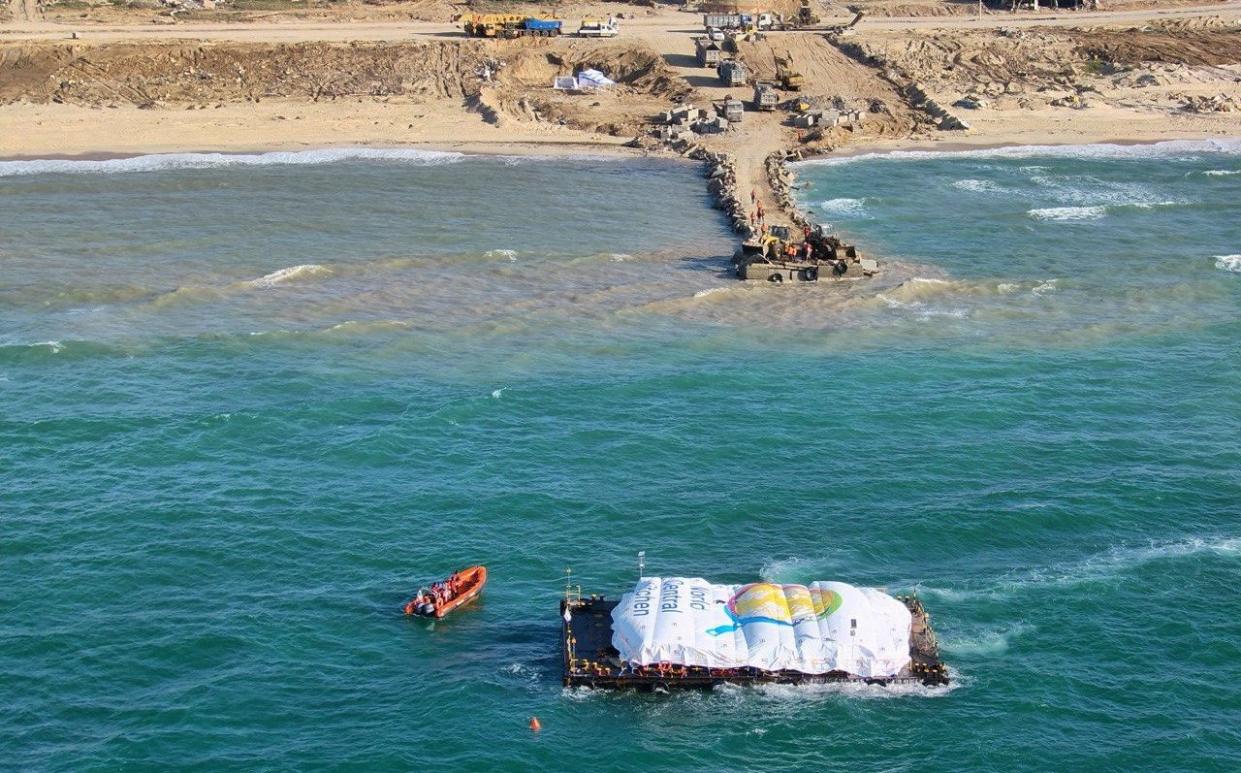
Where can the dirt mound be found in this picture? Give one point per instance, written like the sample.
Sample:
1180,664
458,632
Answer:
632,65
146,74
1199,44
1029,60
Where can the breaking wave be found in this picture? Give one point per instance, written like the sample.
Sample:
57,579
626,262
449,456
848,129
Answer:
979,186
165,161
848,207
1093,151
290,274
1228,263
1221,172
1068,214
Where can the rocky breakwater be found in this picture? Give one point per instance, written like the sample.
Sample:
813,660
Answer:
722,185
780,179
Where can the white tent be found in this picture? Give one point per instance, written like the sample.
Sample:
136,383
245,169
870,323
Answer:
813,629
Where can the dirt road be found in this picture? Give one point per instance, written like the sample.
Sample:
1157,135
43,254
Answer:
29,25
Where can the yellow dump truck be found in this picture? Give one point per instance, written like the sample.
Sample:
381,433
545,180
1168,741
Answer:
788,78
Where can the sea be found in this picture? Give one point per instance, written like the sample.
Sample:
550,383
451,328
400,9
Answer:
250,403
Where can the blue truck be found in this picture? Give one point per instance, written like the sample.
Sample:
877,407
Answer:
544,28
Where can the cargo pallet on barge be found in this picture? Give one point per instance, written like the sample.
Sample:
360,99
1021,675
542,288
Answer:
590,660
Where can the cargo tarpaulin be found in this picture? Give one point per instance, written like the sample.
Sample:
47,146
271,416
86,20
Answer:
594,79
812,629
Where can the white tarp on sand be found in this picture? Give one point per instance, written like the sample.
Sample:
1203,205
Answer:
825,626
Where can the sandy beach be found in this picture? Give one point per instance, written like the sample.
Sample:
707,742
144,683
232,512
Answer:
113,83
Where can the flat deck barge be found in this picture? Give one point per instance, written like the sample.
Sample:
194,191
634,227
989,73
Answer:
590,660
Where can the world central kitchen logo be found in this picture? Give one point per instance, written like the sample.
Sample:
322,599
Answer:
766,602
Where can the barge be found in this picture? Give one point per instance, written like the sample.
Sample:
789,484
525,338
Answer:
800,644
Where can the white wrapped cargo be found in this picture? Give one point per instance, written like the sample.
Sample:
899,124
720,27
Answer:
814,629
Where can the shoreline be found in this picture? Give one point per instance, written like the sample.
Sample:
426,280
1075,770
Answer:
500,149
588,150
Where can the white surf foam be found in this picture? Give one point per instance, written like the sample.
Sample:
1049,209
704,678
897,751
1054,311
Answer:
167,161
1042,288
979,186
987,641
1068,214
1101,151
711,291
496,394
1228,263
1221,172
798,693
290,274
510,254
844,207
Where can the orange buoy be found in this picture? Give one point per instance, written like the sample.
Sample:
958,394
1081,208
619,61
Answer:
534,724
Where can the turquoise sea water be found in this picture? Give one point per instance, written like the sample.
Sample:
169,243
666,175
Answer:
250,404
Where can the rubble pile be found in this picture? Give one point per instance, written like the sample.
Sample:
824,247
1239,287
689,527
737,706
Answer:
1219,103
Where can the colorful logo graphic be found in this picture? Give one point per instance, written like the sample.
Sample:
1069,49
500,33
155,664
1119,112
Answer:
767,602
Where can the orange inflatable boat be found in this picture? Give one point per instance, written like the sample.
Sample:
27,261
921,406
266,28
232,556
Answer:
446,595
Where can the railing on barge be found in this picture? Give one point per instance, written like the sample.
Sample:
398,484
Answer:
590,660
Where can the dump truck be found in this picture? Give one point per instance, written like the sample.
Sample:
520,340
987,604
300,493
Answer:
759,20
732,73
733,109
788,78
721,21
765,96
708,52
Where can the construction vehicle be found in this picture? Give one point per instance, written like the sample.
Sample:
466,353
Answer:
778,256
708,52
733,109
761,20
788,78
732,73
598,28
847,28
765,96
721,21
504,25
806,17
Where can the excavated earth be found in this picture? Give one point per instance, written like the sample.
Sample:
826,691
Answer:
147,74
